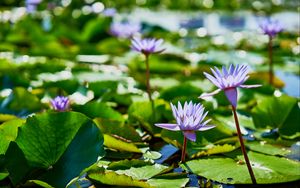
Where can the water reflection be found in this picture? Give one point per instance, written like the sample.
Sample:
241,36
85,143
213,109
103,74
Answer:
166,151
295,151
215,23
292,83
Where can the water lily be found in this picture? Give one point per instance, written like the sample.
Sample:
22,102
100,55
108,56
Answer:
109,12
189,119
147,45
124,29
270,27
60,103
31,5
228,81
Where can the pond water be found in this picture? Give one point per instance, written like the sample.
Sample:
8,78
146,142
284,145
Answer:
292,83
215,23
222,31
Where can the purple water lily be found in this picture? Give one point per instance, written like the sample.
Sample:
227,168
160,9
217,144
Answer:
109,12
31,5
228,81
270,27
124,29
147,45
60,103
189,119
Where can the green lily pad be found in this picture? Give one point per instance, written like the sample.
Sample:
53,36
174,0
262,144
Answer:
3,175
98,110
141,112
181,90
144,172
118,129
278,112
8,133
55,143
267,169
266,148
39,183
217,149
167,181
101,87
7,117
127,164
133,171
120,145
22,99
112,178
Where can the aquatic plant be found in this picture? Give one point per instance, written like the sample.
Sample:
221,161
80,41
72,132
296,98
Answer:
189,119
124,29
148,46
271,28
60,103
228,81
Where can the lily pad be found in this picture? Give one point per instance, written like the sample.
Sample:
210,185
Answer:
118,129
112,178
278,112
56,144
120,145
267,148
3,175
8,133
128,173
98,110
267,169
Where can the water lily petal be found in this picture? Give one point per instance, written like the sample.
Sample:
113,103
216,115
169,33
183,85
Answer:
205,95
231,94
251,86
168,126
207,127
191,135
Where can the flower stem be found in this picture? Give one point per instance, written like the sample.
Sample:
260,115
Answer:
270,53
243,146
183,151
148,85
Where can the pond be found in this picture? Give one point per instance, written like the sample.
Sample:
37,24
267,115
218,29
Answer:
149,94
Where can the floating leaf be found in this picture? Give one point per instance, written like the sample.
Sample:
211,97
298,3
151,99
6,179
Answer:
167,183
8,133
98,110
39,183
7,117
267,169
56,144
120,145
144,172
266,148
126,164
278,112
152,155
118,129
142,113
215,150
24,100
3,175
112,178
181,90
